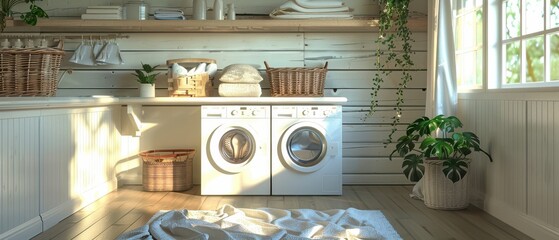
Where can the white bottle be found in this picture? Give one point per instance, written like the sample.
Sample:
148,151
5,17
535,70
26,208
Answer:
231,15
199,10
218,10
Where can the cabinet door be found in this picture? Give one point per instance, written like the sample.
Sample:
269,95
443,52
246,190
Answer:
19,175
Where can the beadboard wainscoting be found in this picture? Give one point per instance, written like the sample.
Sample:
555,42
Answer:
521,132
54,162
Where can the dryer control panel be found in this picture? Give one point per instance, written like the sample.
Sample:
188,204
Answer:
318,111
235,111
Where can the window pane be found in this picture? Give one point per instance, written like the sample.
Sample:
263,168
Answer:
464,5
554,46
479,27
466,63
554,13
512,72
479,68
512,14
535,59
534,16
466,31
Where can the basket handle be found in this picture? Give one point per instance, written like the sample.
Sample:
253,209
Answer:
325,65
190,60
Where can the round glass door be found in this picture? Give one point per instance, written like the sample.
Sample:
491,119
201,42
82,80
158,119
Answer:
236,146
306,147
232,147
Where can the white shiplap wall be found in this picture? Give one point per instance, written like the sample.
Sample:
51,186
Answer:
351,58
521,186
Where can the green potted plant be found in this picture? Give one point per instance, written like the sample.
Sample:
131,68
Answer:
35,12
433,150
146,78
394,51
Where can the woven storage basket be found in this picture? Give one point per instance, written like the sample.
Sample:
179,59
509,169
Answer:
29,72
199,85
167,170
439,192
296,82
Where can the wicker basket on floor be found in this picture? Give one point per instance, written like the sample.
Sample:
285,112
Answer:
29,72
167,170
296,82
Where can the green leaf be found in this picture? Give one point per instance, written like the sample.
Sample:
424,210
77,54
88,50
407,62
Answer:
413,167
455,169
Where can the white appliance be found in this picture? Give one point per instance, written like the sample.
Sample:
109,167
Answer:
306,150
235,159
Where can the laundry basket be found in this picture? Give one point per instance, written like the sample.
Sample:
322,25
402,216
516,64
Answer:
28,72
296,82
167,170
198,85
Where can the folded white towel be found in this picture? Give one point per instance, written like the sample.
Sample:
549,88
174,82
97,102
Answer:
239,90
319,3
166,16
295,7
285,14
169,10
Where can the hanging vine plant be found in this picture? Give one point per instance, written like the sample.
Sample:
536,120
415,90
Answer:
393,53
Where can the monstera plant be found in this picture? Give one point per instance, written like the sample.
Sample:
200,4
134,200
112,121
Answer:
437,139
30,17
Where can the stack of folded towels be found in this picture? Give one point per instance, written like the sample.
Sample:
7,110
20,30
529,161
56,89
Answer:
312,9
103,12
168,14
240,80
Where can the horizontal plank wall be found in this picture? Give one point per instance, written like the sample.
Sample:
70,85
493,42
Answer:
350,58
521,186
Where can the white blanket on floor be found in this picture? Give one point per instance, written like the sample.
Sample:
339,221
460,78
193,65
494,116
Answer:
229,222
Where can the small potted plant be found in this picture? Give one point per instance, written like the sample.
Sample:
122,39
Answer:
146,78
6,11
434,151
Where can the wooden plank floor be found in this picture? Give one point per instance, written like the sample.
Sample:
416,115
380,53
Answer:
129,207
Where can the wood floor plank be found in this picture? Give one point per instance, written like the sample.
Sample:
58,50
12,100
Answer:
130,207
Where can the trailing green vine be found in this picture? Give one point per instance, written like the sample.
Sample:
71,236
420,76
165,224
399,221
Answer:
393,29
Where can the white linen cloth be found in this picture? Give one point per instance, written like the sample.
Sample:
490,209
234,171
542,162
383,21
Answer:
229,222
239,90
312,9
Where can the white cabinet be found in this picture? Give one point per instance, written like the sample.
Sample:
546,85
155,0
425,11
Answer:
19,175
53,163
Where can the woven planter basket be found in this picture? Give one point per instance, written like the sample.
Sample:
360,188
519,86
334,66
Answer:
167,170
440,192
29,72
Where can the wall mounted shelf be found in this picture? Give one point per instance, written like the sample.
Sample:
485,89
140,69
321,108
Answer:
244,25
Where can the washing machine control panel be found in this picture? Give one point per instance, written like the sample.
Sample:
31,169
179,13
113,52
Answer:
235,112
318,111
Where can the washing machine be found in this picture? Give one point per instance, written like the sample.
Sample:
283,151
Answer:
236,155
306,150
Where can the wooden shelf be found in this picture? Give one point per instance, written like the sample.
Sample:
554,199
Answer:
245,25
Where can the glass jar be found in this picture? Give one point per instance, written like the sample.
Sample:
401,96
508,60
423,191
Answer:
136,10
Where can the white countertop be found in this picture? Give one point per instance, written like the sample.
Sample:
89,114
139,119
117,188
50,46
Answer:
20,103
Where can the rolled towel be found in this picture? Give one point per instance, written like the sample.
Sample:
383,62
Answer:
239,90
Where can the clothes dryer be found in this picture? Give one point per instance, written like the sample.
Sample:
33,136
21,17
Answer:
236,154
306,150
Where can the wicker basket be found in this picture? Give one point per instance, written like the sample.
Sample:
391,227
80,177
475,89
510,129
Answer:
439,192
296,82
28,72
167,170
198,85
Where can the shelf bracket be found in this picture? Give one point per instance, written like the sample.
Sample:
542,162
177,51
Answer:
134,112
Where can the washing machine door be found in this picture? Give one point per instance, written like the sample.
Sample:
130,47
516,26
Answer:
304,146
232,147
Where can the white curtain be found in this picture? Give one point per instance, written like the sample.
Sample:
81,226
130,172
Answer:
441,82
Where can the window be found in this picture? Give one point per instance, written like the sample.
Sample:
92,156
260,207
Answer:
521,48
468,37
530,43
